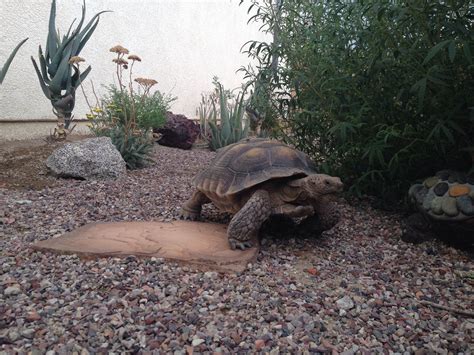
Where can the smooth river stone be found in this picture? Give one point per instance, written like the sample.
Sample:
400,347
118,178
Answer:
441,188
414,189
449,206
453,178
443,174
436,205
470,179
459,190
462,178
466,205
202,244
427,200
417,193
431,181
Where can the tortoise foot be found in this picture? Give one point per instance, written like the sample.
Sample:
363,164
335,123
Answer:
192,208
237,244
189,214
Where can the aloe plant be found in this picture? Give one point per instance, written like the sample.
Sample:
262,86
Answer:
233,126
4,70
58,78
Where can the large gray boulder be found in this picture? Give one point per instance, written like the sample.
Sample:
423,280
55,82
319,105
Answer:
89,159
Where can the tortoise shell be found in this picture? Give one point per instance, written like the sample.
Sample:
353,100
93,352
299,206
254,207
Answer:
245,164
447,196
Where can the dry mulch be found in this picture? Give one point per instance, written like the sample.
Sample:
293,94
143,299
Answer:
22,163
356,289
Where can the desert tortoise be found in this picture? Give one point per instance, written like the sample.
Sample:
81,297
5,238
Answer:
256,178
445,208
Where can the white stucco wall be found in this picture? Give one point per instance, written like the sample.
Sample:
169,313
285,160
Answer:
183,44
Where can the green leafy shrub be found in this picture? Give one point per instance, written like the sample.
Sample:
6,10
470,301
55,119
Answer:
222,117
135,148
127,114
378,92
150,109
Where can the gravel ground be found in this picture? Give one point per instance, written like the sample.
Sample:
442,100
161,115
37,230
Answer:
357,289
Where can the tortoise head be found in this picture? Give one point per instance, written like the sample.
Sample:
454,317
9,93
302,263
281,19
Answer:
318,185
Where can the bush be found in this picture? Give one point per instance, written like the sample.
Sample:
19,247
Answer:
378,92
128,115
150,109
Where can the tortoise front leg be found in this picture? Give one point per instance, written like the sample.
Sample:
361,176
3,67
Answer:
247,222
294,211
192,208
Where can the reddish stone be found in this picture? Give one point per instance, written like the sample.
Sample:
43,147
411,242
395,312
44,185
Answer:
32,316
154,344
312,271
202,244
259,344
178,132
150,320
459,190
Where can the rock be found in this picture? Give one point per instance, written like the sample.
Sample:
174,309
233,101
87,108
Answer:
418,192
470,179
428,199
459,190
436,205
28,333
32,316
24,202
89,159
197,341
453,177
193,242
441,188
13,335
461,178
449,206
211,274
466,205
431,181
259,344
443,174
345,303
12,290
178,132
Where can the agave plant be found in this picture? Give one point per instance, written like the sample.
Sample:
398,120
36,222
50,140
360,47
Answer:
233,126
58,77
4,70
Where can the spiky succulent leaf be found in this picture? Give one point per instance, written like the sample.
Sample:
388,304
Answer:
51,41
87,32
82,77
44,87
5,67
59,80
42,62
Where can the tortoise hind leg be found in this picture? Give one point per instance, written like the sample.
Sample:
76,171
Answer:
247,222
192,208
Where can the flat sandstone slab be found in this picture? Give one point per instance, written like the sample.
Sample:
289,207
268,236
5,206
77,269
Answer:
202,244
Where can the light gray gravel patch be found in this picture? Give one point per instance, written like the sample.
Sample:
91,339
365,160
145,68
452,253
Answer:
288,301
